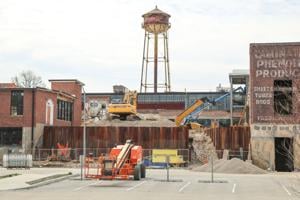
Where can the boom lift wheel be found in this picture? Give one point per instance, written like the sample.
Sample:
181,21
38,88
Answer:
143,171
137,173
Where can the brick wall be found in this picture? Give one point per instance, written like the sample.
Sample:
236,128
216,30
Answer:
73,88
25,120
6,120
41,99
269,62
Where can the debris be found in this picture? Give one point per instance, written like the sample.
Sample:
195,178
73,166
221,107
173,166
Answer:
203,147
142,120
63,153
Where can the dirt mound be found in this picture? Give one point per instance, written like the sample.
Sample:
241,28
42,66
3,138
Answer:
233,166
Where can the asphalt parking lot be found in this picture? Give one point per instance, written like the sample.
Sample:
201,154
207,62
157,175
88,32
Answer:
184,185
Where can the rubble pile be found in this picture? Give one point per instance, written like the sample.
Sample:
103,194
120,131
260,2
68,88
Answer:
203,148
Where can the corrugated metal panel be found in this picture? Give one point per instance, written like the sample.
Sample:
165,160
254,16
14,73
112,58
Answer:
107,137
166,105
231,138
188,98
174,97
148,98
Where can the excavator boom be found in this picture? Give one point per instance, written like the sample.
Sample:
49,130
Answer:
198,106
188,111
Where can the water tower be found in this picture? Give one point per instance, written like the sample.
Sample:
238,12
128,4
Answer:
156,25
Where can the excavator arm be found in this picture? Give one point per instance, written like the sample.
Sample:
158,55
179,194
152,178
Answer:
180,118
198,106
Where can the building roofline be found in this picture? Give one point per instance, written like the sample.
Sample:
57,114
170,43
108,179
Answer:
162,93
67,80
17,88
40,89
275,43
57,92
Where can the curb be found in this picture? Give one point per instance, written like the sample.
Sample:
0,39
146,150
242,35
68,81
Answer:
48,182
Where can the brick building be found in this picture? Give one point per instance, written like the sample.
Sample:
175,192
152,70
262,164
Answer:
275,105
25,111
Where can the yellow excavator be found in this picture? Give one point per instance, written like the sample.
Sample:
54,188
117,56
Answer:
125,108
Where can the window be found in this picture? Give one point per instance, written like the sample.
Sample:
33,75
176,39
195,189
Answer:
16,106
10,136
283,97
64,110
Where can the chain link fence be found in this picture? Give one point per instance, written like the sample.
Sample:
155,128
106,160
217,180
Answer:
203,157
177,157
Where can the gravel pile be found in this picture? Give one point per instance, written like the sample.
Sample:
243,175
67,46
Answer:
233,166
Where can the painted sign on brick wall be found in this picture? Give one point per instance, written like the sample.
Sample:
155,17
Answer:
274,66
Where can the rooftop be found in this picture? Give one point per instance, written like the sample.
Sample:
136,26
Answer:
156,11
8,85
66,80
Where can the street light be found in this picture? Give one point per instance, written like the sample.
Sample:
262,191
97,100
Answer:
84,134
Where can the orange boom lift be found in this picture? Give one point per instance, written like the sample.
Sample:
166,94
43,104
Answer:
124,162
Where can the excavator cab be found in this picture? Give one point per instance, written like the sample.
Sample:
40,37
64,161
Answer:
125,107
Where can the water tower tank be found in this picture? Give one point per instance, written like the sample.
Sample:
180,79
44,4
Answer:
156,21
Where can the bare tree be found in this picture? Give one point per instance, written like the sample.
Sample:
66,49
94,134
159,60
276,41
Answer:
286,97
286,150
28,79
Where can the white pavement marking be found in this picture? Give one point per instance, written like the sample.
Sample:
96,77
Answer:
82,187
185,186
285,189
233,188
137,185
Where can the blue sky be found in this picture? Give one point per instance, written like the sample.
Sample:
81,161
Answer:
101,42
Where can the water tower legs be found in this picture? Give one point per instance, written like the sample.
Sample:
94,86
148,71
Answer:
155,62
160,63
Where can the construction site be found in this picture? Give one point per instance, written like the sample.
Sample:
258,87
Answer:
237,142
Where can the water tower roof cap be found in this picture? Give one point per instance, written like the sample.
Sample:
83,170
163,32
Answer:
156,11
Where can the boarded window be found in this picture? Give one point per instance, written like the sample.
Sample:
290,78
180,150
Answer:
64,110
283,97
16,106
10,136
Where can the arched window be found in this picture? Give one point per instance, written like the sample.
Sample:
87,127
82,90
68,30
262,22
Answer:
49,112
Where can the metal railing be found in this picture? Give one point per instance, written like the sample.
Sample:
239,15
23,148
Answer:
74,153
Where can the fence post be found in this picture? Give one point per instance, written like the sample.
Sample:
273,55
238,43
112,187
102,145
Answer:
39,152
75,153
81,158
168,173
241,153
270,162
212,167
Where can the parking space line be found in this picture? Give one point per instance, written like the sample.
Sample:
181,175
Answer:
82,187
135,186
233,188
286,190
185,186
